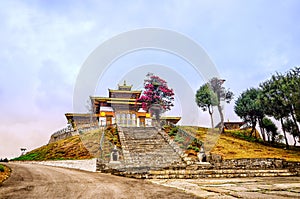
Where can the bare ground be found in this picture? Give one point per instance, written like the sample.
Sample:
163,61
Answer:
38,181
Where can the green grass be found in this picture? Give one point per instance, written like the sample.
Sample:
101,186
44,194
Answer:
1,168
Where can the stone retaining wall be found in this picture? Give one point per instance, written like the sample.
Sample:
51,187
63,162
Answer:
196,174
253,163
218,168
86,165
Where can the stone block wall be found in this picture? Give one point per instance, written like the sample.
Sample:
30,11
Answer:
219,168
250,163
86,165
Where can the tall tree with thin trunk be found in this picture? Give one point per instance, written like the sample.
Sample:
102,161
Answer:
270,128
248,108
291,129
222,94
291,88
206,99
274,101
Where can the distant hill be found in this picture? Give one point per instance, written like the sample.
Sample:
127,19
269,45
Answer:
230,145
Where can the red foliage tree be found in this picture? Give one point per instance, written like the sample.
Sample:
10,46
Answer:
156,95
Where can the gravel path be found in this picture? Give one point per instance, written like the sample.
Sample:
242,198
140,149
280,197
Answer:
39,181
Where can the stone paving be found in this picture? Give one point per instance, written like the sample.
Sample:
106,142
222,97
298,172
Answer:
263,187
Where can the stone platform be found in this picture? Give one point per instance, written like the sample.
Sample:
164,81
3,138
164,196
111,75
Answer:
149,154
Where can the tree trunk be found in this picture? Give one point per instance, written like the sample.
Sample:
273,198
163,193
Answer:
295,120
210,111
268,134
295,141
273,138
222,117
284,133
262,130
253,128
212,121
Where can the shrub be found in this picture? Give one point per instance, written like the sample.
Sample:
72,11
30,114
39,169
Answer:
4,160
173,131
196,149
179,139
1,168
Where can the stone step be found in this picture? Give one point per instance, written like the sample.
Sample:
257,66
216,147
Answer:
147,148
189,174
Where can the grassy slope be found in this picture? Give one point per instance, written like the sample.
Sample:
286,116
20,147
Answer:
84,146
4,174
231,147
227,145
70,148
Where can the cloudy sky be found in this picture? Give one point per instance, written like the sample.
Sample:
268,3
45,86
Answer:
45,43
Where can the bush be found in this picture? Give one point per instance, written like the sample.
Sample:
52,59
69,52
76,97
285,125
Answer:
1,168
179,139
4,160
196,149
173,131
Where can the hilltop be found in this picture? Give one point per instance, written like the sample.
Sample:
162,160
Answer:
230,145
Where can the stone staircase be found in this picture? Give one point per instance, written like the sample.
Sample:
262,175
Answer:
144,147
149,154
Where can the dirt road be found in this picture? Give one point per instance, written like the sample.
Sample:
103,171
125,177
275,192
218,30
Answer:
38,181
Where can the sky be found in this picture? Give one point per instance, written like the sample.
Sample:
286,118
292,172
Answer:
45,43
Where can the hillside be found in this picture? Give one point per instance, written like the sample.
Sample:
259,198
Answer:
70,148
84,146
230,148
234,144
228,145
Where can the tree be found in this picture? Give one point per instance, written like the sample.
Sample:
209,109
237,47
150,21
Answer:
222,95
206,99
248,107
297,108
156,97
291,128
275,101
292,93
271,129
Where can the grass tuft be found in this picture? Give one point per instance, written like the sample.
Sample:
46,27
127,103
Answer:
1,168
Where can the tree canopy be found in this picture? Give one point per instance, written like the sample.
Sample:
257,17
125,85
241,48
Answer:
156,95
249,108
206,99
213,94
278,98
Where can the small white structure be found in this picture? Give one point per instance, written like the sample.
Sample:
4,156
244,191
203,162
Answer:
114,156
